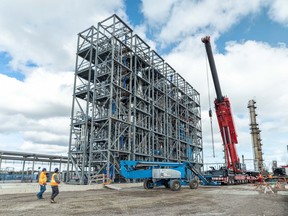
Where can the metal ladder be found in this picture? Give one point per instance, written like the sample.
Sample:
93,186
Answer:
200,176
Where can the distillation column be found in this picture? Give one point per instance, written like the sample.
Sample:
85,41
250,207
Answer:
256,139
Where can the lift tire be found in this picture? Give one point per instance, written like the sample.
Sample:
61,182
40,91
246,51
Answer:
193,184
175,185
148,184
229,181
166,184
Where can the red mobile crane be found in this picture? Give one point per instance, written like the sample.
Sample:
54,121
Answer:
233,172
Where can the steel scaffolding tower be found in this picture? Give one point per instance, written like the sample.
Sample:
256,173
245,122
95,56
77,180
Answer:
128,104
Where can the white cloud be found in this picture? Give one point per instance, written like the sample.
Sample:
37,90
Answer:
157,11
37,109
278,11
41,94
41,148
47,137
180,19
45,32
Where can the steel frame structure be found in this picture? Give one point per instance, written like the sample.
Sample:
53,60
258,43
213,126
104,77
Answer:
128,104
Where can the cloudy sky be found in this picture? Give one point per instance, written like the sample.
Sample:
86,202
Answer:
249,40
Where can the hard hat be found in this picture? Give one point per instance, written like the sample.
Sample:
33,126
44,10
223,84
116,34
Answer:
56,170
44,169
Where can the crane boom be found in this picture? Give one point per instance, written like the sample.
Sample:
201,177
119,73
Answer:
206,41
224,115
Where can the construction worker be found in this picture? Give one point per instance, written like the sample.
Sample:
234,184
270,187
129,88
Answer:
260,178
55,181
42,182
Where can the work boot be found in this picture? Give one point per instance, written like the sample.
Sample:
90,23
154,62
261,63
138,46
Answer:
52,201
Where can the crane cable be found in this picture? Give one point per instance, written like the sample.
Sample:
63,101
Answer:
210,110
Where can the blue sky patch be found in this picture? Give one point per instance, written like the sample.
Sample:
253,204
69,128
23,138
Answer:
257,27
133,10
31,64
5,58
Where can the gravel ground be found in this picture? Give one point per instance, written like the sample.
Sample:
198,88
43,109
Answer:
229,200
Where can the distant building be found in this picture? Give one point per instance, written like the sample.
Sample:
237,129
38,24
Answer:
274,164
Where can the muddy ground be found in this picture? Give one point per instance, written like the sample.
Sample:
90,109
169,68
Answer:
229,200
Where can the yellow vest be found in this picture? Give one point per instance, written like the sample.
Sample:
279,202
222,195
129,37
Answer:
42,178
53,182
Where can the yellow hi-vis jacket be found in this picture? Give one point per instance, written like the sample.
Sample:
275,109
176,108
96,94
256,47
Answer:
53,181
42,178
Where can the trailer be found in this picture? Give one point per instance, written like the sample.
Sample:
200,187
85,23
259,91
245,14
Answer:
280,173
172,175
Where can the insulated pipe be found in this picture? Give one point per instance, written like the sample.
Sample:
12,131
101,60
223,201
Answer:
206,41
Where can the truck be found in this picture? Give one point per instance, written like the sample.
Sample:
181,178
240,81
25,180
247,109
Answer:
233,172
172,175
280,171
